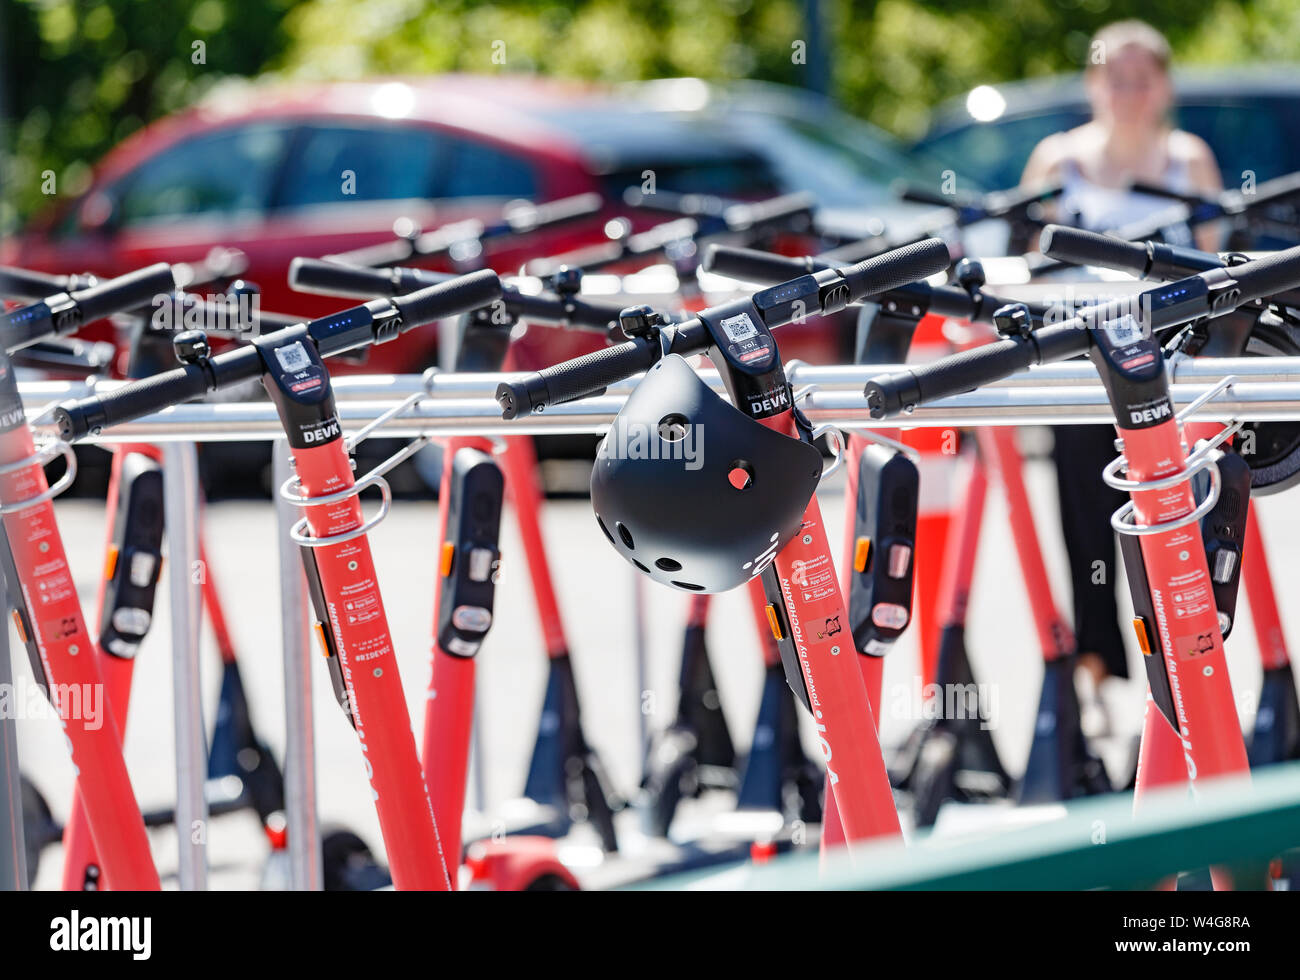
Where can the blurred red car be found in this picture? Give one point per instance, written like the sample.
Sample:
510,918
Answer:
265,169
317,169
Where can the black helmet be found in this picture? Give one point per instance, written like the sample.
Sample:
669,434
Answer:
692,491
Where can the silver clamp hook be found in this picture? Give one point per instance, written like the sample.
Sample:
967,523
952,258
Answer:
42,457
1120,519
290,491
835,443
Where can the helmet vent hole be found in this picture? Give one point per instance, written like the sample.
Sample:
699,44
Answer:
668,565
604,529
625,534
740,474
673,428
689,585
640,566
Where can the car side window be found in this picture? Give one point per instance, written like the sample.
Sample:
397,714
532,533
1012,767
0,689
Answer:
226,172
1254,137
333,164
994,154
482,170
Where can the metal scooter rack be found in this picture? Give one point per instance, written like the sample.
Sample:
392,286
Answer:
435,405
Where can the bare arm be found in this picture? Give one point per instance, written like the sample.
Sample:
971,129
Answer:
1043,169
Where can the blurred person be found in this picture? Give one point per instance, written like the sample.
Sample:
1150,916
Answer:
1129,140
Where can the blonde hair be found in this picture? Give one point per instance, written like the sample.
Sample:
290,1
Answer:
1125,33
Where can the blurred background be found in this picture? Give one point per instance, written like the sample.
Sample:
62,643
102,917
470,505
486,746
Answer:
135,131
138,132
83,76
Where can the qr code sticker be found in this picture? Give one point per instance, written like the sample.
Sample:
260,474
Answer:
1125,330
739,327
294,357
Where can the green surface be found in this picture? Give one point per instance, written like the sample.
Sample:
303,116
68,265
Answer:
1094,843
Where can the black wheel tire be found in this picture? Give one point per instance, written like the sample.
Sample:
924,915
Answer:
38,826
671,774
549,883
347,863
1275,462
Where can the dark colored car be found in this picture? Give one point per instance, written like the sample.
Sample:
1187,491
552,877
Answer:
1249,119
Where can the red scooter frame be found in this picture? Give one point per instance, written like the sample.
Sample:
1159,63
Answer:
48,616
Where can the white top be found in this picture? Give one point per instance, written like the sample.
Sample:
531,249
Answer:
1107,208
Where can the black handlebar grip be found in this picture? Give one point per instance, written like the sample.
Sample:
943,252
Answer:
895,268
450,298
1001,204
29,286
333,278
956,302
579,378
1089,248
1269,192
88,416
337,279
1268,276
753,265
923,195
901,391
530,217
549,308
794,210
268,321
128,292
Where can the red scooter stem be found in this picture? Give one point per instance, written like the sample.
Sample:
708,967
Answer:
519,462
1186,618
998,443
359,626
846,728
68,657
1258,583
961,549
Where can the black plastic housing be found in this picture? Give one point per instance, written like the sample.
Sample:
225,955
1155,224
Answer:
885,516
467,590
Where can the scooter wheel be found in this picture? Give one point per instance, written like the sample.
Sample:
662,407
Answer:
549,883
348,864
671,774
38,826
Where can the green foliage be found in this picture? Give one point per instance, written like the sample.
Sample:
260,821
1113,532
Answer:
85,74
80,76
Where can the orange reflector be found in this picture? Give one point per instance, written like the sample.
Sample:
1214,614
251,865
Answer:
320,635
448,552
18,622
110,564
774,622
861,551
1140,628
